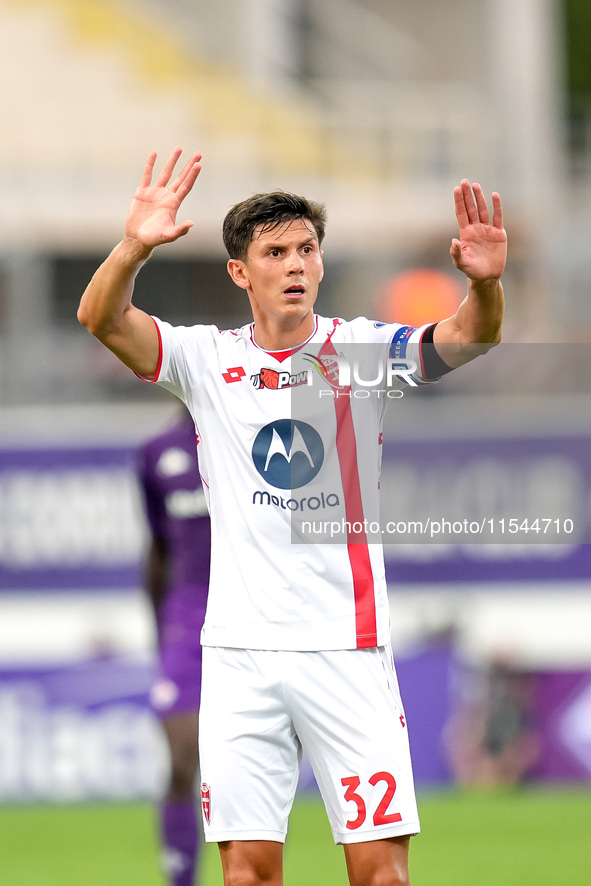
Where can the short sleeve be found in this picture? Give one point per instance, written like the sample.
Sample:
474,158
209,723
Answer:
185,352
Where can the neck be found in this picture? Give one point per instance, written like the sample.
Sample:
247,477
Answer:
277,336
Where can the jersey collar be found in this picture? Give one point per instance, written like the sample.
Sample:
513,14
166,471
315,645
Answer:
283,354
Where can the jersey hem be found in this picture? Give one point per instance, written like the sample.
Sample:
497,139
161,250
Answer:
410,829
212,836
381,639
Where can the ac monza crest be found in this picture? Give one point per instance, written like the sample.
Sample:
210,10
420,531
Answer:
327,366
205,801
331,369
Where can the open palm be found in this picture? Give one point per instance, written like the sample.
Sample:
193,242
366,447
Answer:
481,250
152,216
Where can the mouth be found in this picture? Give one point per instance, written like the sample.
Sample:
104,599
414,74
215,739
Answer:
294,291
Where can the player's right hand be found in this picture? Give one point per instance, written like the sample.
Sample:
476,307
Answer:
152,215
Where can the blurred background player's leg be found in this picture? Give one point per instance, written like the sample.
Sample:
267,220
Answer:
175,699
176,578
179,830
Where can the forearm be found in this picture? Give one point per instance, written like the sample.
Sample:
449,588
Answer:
108,295
156,577
476,327
107,312
479,319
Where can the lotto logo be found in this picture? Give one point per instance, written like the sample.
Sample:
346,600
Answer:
235,373
205,801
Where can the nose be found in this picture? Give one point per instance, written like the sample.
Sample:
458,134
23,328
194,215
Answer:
294,263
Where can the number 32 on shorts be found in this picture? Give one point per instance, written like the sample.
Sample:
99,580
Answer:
381,815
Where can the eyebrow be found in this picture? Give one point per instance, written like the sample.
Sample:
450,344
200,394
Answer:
311,239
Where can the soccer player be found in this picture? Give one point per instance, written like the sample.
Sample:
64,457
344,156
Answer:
296,636
177,577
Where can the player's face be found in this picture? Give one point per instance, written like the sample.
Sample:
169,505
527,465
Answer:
282,271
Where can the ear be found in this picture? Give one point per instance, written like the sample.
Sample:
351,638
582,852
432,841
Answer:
237,271
322,269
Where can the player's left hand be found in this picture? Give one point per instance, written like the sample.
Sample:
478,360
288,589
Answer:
481,250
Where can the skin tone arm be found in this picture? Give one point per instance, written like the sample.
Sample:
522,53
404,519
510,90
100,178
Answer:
157,571
480,253
106,309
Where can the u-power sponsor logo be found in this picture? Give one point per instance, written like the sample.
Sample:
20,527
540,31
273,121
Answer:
343,377
277,381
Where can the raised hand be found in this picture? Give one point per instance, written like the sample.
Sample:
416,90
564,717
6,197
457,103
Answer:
481,250
152,216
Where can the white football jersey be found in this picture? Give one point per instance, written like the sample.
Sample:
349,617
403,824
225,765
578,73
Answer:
290,456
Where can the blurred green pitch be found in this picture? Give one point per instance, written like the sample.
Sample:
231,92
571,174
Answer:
526,837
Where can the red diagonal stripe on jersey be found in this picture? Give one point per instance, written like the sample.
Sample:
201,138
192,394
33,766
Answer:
357,549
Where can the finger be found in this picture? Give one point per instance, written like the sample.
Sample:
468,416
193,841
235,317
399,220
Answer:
497,211
164,177
148,170
455,250
182,229
188,183
185,171
469,201
460,205
481,204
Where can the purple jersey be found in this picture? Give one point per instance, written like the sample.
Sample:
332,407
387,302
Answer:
175,503
177,514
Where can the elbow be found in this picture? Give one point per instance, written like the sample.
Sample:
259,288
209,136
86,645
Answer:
93,323
494,341
468,351
86,319
83,318
483,347
485,341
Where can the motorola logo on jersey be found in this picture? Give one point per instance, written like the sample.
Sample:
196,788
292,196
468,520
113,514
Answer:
288,453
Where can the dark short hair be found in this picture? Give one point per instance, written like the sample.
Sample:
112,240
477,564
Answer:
268,210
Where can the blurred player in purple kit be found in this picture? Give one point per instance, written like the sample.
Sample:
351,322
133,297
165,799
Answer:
177,579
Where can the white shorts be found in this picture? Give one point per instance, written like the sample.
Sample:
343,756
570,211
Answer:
259,708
